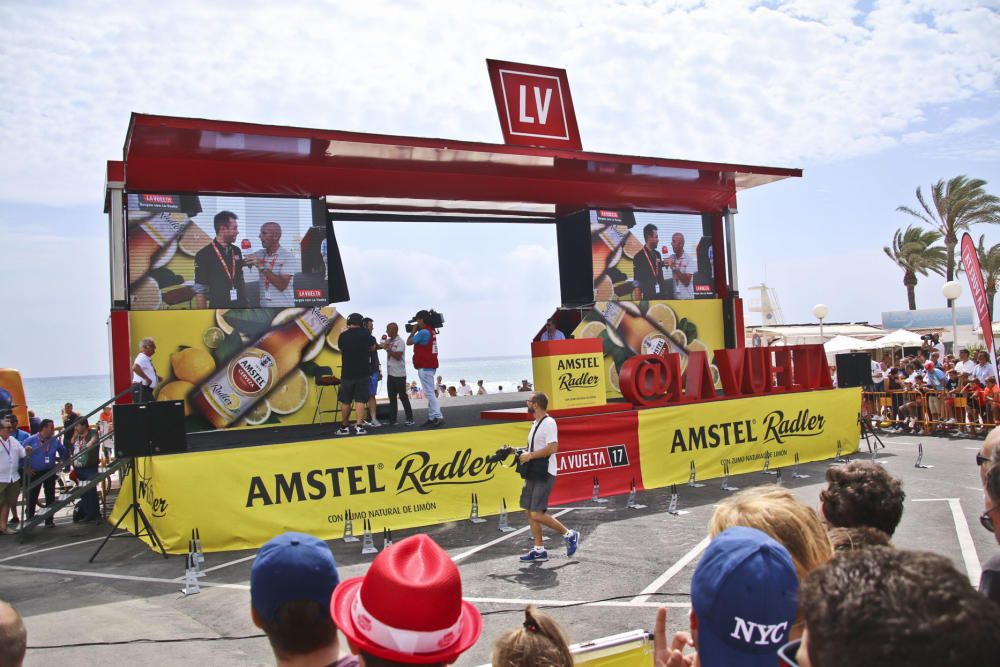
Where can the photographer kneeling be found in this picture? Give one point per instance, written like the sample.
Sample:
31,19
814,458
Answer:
539,469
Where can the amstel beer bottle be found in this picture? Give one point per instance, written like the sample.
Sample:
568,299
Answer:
639,334
258,368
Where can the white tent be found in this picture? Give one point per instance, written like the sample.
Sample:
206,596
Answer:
899,338
839,344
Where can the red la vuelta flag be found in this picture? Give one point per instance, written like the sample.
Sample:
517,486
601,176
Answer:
970,261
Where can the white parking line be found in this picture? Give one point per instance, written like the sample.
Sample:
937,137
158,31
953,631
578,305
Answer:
968,547
473,550
674,569
580,603
41,551
121,577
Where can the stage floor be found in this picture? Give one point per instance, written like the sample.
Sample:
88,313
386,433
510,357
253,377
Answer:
132,593
458,413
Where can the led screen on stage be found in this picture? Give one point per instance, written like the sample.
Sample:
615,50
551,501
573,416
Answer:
640,256
197,251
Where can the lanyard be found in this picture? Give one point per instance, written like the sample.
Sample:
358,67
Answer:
652,269
230,272
269,268
6,446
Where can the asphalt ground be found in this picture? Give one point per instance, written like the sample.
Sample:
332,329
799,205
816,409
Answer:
629,563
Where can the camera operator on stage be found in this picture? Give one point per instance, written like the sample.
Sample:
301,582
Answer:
423,338
539,470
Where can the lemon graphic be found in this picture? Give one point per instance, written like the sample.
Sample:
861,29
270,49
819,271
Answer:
212,337
220,319
192,364
680,338
259,414
592,330
339,324
613,374
663,315
290,395
177,390
697,345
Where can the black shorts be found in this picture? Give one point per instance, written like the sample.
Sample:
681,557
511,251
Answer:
353,391
535,494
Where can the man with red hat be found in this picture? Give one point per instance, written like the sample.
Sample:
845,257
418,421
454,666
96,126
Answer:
434,626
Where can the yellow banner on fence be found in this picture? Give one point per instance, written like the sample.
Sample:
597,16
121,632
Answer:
240,498
744,433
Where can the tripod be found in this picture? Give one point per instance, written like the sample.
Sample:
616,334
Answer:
137,515
869,434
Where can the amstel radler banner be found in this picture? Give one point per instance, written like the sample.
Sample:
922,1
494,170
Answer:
741,433
240,498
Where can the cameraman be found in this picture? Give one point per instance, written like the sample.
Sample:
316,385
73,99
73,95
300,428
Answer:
423,338
539,473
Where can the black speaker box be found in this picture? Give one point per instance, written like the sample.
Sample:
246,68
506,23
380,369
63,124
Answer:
854,369
150,429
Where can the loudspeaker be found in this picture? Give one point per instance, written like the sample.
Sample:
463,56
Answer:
854,369
150,429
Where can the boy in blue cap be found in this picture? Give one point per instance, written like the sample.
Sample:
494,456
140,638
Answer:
744,599
291,583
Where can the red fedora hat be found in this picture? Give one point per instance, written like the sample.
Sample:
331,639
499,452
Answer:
408,607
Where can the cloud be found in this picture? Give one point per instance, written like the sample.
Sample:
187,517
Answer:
757,82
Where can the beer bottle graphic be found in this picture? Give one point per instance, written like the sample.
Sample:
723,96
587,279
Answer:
640,335
258,368
148,239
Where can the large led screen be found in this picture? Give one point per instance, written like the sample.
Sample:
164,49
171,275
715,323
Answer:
640,256
196,251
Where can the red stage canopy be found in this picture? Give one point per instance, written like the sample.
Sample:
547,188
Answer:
360,171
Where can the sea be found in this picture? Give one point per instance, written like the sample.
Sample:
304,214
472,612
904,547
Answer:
46,396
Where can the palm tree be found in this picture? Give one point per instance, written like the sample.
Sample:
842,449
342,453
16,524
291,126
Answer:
957,205
914,251
989,262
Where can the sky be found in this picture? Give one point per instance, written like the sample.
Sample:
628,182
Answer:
870,99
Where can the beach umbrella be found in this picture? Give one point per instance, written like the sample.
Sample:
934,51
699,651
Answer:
899,338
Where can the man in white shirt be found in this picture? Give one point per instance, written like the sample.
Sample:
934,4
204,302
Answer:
964,364
938,345
396,373
276,266
464,389
683,268
144,377
539,459
11,456
984,369
552,332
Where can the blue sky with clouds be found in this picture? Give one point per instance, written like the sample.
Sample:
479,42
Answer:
871,99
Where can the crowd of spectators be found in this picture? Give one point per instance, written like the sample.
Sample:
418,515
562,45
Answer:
780,583
931,391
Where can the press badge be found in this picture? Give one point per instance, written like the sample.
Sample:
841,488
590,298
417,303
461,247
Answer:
232,295
48,459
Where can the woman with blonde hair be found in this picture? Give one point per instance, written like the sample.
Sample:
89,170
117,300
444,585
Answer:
540,642
773,509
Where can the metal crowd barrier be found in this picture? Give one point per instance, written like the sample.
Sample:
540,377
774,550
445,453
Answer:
931,412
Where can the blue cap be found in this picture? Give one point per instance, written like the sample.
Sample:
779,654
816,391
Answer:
745,595
293,566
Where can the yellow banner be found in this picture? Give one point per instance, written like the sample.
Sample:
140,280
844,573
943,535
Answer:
193,347
240,498
652,327
570,380
744,432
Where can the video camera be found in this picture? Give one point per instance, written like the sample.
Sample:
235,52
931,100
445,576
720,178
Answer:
430,317
536,469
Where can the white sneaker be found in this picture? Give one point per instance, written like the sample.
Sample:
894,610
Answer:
374,423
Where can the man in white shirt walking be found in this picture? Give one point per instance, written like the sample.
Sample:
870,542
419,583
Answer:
144,377
540,470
